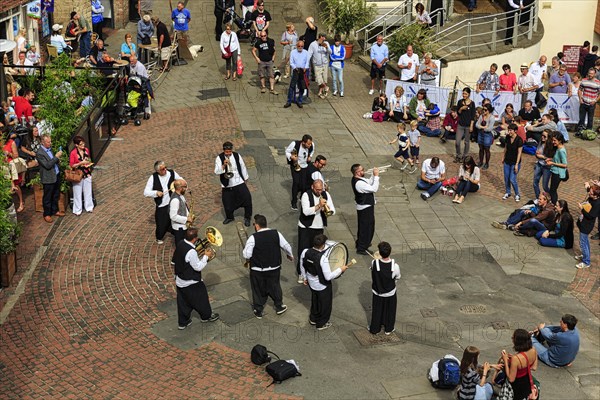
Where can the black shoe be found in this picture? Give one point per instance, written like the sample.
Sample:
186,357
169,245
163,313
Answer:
508,42
257,314
247,221
212,318
227,220
217,38
294,207
363,252
281,310
299,105
182,327
442,140
287,105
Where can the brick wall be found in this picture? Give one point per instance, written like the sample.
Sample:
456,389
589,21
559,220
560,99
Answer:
6,5
63,8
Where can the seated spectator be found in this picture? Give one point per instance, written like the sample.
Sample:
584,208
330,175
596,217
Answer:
489,80
433,127
449,125
544,219
520,214
468,179
127,48
529,113
10,118
535,131
562,341
30,146
23,107
506,118
559,82
433,173
417,106
32,55
23,62
560,126
58,41
428,70
381,105
99,57
562,234
518,365
398,105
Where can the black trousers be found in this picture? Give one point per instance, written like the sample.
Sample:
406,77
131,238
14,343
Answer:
179,235
305,241
193,297
218,24
510,25
265,284
163,222
50,198
321,305
236,197
97,28
383,313
554,182
366,228
299,183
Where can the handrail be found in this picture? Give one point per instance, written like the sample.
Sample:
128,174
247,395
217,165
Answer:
384,16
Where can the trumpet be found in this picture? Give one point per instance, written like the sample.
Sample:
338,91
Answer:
326,209
381,169
228,174
191,211
213,238
297,166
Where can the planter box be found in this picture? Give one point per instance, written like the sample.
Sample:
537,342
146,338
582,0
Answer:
38,194
8,267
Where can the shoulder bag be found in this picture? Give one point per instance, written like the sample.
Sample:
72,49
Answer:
73,175
228,52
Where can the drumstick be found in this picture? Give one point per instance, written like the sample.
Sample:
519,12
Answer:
352,262
372,256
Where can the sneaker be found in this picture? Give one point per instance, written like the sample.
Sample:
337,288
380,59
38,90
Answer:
511,227
582,265
412,170
403,167
263,90
287,105
281,310
485,166
213,317
257,314
579,258
389,333
299,105
371,91
341,94
334,93
424,196
499,225
418,162
517,198
498,143
506,196
311,322
328,325
286,76
159,242
442,140
300,279
517,233
273,91
295,208
182,327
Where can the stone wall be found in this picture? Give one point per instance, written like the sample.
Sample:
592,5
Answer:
63,8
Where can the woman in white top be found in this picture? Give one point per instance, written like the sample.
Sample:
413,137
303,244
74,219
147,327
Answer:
230,49
398,105
468,179
288,40
574,85
423,17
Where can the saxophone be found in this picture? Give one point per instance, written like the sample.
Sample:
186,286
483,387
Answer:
191,211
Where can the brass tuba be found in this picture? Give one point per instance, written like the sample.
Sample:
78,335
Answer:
213,238
297,166
326,209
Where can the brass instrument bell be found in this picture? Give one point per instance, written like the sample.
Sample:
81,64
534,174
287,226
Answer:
213,238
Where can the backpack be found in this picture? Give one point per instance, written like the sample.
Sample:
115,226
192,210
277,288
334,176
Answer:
448,373
260,355
588,134
529,149
281,370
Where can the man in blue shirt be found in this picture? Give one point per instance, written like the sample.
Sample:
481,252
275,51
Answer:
562,341
181,17
299,62
379,58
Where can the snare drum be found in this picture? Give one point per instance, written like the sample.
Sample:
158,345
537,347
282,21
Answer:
336,253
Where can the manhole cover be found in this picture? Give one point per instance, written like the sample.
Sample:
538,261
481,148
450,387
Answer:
473,309
236,312
366,338
498,325
428,313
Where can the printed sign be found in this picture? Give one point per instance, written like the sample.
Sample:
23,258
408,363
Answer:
34,9
571,58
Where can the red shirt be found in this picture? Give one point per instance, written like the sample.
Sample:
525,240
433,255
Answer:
507,82
22,107
451,122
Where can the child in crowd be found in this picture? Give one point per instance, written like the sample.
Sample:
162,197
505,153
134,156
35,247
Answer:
433,126
32,55
414,137
402,153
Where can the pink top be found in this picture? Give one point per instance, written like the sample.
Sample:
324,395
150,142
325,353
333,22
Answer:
507,82
74,159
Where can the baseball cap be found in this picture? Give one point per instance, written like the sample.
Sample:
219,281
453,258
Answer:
56,27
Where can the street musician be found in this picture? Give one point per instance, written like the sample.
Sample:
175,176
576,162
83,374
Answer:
232,172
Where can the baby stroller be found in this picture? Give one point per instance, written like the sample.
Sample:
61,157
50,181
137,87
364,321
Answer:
136,100
246,32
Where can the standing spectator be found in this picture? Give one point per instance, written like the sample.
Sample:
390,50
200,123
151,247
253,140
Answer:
23,107
261,19
468,180
508,80
379,58
583,51
80,159
164,42
230,46
248,6
11,157
299,62
485,125
433,173
264,54
511,160
145,7
423,17
539,72
97,18
288,40
526,82
398,105
145,30
221,6
590,59
319,52
553,67
466,119
489,80
337,56
50,178
471,5
574,86
450,125
428,71
436,10
589,93
73,30
414,141
558,165
408,63
513,7
181,17
589,211
541,170
85,38
560,81
310,35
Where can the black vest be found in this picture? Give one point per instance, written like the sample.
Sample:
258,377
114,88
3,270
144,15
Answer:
266,252
236,156
312,265
362,198
157,186
183,269
297,147
307,220
382,279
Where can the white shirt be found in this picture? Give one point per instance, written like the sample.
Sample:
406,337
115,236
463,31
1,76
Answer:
313,281
537,71
408,73
433,173
515,4
249,248
138,70
364,185
308,210
233,168
26,63
196,263
302,153
177,221
164,180
395,275
317,176
526,81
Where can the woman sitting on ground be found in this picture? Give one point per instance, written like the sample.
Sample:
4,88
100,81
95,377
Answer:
418,105
398,105
506,118
381,105
517,366
468,179
562,234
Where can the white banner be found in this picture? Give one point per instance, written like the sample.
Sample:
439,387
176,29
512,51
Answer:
499,101
435,94
567,107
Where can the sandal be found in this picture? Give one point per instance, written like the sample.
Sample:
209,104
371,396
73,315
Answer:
227,77
234,78
21,208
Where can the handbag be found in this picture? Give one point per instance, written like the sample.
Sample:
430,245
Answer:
566,178
506,391
19,165
73,175
146,40
228,52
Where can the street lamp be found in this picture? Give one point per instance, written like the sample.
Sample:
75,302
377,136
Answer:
5,47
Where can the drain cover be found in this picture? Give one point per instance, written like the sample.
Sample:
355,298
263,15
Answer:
473,309
366,338
428,313
499,325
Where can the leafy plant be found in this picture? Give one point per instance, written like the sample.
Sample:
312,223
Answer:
10,229
345,16
420,37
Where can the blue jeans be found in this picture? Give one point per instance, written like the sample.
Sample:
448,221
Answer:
510,178
85,44
337,75
429,187
547,242
532,224
542,352
544,173
584,244
472,4
517,217
430,132
465,187
296,81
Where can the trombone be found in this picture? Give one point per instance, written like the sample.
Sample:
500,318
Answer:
381,169
213,238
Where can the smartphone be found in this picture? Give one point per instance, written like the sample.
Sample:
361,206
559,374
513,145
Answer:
59,148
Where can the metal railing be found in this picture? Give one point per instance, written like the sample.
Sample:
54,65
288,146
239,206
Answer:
487,32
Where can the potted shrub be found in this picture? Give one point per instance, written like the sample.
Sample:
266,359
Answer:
421,39
344,17
9,229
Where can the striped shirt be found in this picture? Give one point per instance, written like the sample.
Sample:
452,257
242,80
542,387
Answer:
589,89
468,383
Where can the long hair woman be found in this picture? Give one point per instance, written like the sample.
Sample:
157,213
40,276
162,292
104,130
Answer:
468,179
518,366
469,377
562,234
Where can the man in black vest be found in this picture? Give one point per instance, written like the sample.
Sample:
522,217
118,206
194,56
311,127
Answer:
191,291
314,171
312,219
299,152
364,197
262,249
384,274
318,276
157,188
233,174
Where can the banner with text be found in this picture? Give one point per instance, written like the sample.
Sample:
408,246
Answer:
499,101
567,107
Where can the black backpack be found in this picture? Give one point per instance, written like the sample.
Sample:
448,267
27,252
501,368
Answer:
281,370
260,355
